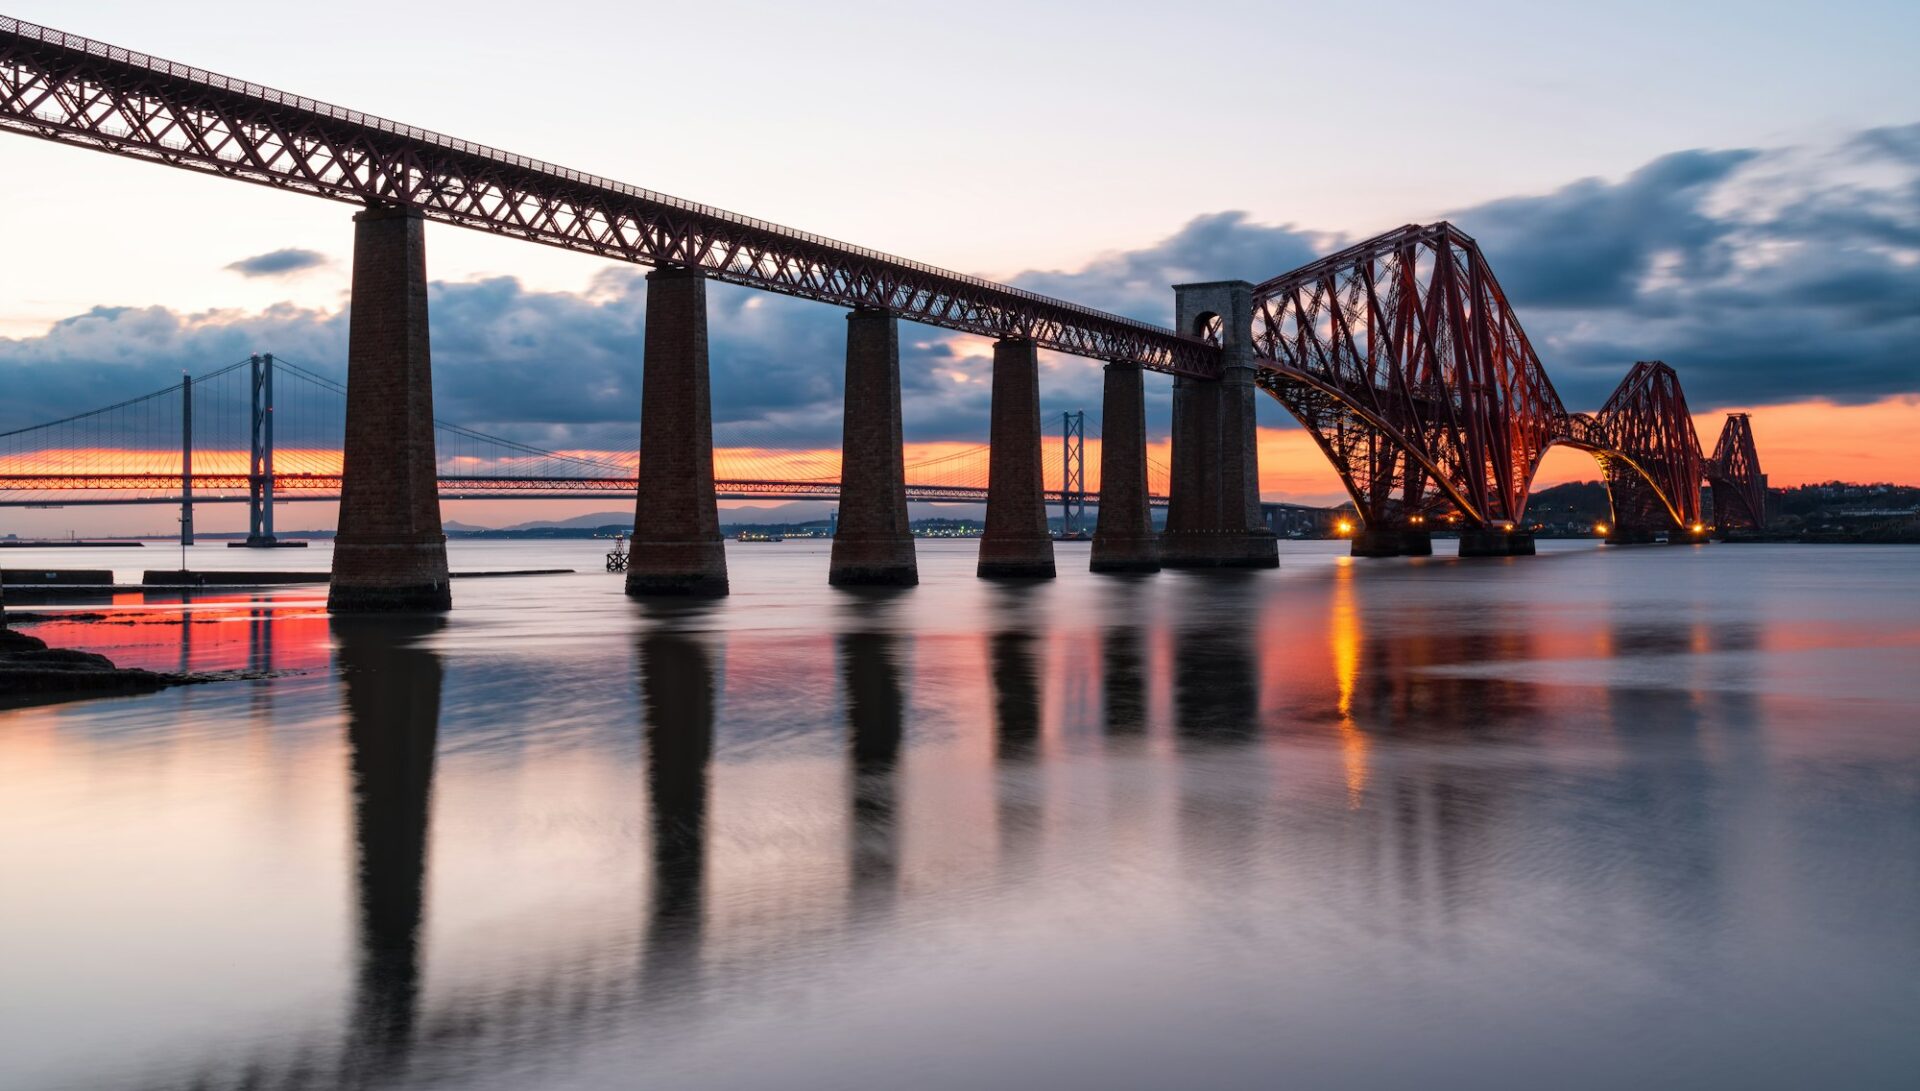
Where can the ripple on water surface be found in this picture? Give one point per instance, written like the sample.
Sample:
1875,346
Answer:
1596,818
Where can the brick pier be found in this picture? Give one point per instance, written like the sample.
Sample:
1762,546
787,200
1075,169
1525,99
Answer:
1123,539
1015,543
1392,541
1214,518
389,553
872,544
1495,542
676,524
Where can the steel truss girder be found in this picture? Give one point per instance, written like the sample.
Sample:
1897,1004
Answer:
1654,474
74,90
1411,332
1389,478
1739,485
1403,358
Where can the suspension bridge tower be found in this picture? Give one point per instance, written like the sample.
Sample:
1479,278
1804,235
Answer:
1073,474
260,455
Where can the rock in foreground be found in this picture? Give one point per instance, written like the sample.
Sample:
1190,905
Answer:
32,673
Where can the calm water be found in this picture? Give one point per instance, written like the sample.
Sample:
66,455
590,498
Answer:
1594,819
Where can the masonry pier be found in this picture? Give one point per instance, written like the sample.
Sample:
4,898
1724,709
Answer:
1123,538
1495,542
389,553
872,542
1693,535
1214,518
1015,542
676,523
1393,541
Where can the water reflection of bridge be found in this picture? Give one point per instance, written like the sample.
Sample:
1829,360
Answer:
1229,685
556,998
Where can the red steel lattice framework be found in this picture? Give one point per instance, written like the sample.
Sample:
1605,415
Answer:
1652,456
1403,358
1739,486
75,90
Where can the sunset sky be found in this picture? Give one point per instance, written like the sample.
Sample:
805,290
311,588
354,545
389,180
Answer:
1733,188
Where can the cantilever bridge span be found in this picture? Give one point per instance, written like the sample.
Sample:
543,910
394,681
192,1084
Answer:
1404,360
1400,355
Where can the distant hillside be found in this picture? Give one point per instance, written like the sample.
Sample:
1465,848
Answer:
1576,502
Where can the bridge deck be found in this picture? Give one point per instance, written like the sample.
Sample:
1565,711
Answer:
75,90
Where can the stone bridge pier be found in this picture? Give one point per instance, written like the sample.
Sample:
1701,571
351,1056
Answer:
872,543
677,548
389,554
1123,539
1015,542
1213,517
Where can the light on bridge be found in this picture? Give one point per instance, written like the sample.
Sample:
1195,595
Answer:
1343,527
1599,528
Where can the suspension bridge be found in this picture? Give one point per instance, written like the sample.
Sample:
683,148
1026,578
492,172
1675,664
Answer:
1400,355
268,430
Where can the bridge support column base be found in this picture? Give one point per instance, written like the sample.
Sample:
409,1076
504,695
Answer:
385,577
1496,543
872,543
389,555
1113,554
676,523
1015,544
1219,549
873,562
1686,537
1392,542
685,569
1016,569
1620,536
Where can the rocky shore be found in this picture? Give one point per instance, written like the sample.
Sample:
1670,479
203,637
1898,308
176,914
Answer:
32,673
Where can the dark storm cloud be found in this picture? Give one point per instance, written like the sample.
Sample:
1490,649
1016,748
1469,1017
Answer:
278,263
1591,244
1762,276
110,354
1217,246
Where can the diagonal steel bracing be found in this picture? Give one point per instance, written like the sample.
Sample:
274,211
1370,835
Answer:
1404,360
78,91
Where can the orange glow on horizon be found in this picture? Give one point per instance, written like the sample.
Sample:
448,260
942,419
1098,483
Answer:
1800,443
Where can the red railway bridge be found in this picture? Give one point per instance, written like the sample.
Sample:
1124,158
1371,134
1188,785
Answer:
1400,355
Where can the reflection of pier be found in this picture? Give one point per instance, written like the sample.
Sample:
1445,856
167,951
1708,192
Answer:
876,714
551,999
1428,828
676,681
392,690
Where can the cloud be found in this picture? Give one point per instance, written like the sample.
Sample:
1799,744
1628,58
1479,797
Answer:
279,263
1763,275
